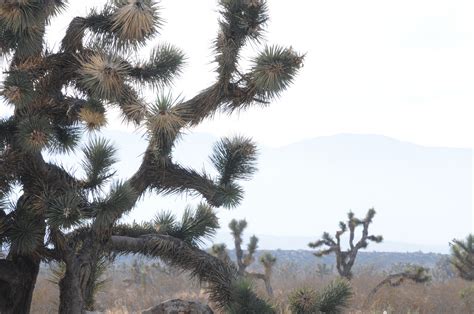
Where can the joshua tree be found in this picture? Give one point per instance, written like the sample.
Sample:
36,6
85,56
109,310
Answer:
412,273
345,259
331,299
245,259
462,257
324,270
56,94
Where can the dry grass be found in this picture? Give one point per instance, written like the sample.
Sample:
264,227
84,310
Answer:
134,288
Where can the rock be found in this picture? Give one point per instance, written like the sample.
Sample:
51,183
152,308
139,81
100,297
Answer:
178,306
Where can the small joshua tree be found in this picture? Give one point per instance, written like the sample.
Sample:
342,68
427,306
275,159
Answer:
462,257
324,270
345,259
412,273
245,259
331,299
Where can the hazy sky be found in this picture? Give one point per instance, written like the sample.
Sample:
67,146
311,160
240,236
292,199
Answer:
399,68
403,69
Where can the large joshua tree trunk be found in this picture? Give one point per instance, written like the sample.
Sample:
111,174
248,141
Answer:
19,271
76,287
71,300
17,281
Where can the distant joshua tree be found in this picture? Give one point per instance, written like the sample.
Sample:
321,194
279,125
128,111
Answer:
462,257
345,259
324,270
245,259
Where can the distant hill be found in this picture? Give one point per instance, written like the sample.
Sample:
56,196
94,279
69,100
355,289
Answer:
423,195
305,260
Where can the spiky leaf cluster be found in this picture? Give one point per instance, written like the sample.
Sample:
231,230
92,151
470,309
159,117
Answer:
121,197
164,63
195,225
244,300
234,159
332,299
274,70
462,257
99,158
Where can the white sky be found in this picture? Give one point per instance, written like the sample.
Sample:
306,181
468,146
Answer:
403,69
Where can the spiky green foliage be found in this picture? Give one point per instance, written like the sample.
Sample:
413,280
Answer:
462,257
302,301
34,133
332,299
121,198
103,75
164,122
99,158
234,158
65,139
18,89
26,235
22,24
93,114
345,259
244,300
195,225
241,20
268,260
164,63
134,21
274,70
65,211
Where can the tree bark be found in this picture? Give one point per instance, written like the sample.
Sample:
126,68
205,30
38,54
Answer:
71,300
17,282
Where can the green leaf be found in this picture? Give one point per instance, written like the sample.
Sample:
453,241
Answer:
462,257
195,225
234,158
135,21
303,301
103,75
333,298
252,245
65,211
18,89
26,235
65,139
120,199
164,122
34,133
268,260
244,300
274,70
99,158
165,62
